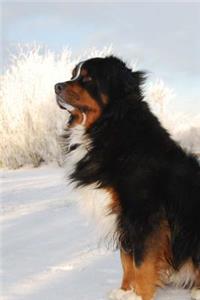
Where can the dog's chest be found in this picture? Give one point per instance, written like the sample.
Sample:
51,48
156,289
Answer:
94,202
185,277
77,148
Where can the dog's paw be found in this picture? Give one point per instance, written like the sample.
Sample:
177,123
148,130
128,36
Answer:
119,294
195,294
131,295
116,294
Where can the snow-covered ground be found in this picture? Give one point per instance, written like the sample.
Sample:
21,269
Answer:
48,250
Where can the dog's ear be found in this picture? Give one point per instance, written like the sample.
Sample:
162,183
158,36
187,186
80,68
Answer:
135,82
122,79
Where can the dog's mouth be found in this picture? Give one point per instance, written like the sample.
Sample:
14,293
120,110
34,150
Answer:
63,105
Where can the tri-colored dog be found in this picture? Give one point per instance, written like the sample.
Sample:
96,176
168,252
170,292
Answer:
142,186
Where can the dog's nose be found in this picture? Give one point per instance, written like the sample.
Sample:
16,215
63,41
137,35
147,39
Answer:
58,88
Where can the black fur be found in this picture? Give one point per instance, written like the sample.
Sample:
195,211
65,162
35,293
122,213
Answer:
131,152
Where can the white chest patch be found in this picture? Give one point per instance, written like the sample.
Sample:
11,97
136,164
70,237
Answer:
76,137
93,202
185,277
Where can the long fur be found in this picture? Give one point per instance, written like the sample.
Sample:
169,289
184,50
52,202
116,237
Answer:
153,176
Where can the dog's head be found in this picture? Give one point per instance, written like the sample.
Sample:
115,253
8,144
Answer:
95,84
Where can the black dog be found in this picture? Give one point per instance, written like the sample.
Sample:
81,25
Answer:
142,186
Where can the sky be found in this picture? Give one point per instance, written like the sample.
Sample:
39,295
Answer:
162,37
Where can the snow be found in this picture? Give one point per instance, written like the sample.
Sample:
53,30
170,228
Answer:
48,250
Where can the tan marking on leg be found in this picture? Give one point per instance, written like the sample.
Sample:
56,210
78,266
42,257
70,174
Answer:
128,270
145,278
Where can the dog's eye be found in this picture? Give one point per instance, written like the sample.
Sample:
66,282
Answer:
87,79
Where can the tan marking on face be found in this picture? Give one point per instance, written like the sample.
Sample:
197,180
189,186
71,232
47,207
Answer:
104,98
77,96
84,72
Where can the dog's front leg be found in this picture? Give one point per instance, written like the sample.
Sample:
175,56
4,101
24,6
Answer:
138,283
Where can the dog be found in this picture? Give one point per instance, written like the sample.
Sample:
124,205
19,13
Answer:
141,185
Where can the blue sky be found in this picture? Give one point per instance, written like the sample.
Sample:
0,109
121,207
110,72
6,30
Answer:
163,37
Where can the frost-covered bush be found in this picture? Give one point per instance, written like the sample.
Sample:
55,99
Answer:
30,120
184,129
